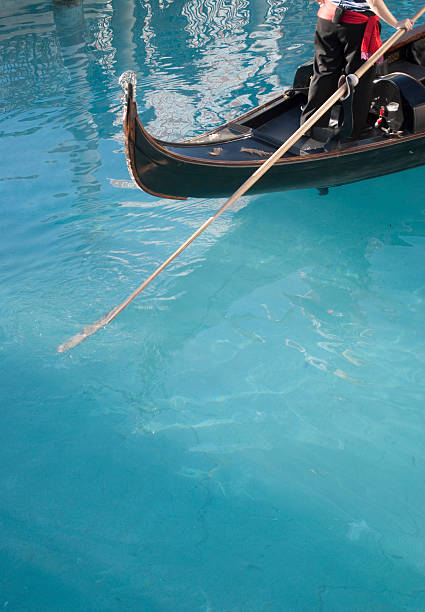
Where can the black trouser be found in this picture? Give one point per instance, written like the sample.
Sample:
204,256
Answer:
337,51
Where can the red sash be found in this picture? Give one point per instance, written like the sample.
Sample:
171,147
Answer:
371,38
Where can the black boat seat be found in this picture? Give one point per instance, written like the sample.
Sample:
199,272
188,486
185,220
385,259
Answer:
307,144
280,128
277,130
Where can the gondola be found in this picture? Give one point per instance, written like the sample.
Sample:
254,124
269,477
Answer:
216,163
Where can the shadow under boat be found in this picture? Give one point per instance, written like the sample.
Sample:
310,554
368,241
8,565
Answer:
216,163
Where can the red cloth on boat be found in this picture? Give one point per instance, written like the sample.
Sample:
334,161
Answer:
371,38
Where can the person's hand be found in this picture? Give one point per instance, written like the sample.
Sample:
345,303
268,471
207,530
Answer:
405,24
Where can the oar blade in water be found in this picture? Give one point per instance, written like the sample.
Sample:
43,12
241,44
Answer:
89,330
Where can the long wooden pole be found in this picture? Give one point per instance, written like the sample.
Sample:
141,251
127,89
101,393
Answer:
340,92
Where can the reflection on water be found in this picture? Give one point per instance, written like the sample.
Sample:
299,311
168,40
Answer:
32,40
236,46
228,61
249,434
207,20
306,288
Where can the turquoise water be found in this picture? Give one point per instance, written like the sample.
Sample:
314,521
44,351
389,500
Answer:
248,434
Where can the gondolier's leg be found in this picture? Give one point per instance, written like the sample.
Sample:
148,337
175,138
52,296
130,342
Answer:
338,51
363,92
328,66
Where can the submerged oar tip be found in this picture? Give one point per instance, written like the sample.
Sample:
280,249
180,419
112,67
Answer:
89,330
72,342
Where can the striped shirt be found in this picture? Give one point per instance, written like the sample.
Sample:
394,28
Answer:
353,5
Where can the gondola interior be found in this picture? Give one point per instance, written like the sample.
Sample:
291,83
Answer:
398,96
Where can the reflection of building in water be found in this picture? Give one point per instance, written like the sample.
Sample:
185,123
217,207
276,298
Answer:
276,11
232,50
228,51
148,34
31,61
79,120
209,19
123,27
48,55
102,41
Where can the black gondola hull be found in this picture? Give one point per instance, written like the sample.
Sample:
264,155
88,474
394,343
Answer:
217,163
170,176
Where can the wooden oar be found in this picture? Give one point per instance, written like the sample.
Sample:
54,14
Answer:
340,92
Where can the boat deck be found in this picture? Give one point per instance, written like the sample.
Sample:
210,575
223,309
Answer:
241,143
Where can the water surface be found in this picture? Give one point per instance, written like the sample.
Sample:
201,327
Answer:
248,435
